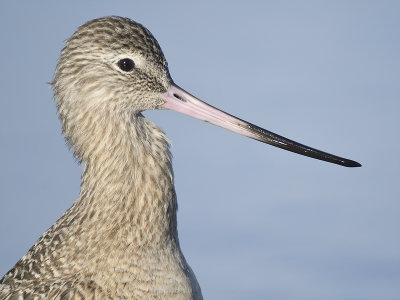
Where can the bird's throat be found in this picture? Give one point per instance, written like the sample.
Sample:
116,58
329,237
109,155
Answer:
127,187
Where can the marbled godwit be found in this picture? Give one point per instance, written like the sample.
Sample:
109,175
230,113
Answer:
119,239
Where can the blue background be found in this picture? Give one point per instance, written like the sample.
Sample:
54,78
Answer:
255,222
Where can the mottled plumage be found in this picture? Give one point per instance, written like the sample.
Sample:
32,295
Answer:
119,239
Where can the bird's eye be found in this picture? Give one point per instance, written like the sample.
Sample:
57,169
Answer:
126,64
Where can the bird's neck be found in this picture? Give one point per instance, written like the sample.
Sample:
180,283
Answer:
121,232
127,190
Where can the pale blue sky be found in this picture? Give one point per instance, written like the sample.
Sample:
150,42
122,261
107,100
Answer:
255,222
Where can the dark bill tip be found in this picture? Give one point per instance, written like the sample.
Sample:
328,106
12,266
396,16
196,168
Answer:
279,141
351,164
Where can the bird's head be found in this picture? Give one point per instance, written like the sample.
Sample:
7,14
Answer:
113,67
112,62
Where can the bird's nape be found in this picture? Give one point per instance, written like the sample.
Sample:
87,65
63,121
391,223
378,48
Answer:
181,101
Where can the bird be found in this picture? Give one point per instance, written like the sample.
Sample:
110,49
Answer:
119,239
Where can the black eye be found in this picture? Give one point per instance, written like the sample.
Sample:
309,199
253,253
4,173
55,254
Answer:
126,64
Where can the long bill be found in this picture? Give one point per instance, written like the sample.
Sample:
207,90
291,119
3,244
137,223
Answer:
181,101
